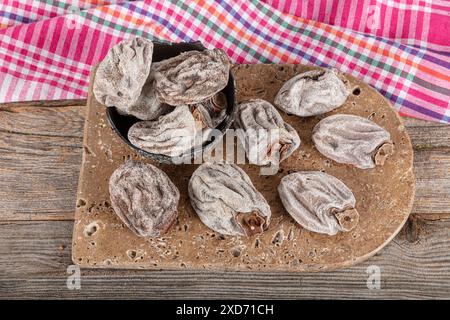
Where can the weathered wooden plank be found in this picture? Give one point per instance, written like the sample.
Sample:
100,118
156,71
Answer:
40,155
45,103
56,121
34,257
432,172
428,135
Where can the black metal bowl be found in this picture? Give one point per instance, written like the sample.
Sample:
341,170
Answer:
122,123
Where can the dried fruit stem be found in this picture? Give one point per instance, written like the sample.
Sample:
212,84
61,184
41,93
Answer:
252,223
383,152
284,149
347,219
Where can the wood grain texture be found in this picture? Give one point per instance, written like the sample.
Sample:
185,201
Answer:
432,172
40,157
35,256
427,135
45,103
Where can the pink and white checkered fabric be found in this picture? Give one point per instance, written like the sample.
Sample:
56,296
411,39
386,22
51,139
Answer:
421,23
47,47
15,12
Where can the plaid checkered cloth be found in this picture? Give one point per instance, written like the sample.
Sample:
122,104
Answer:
419,23
47,47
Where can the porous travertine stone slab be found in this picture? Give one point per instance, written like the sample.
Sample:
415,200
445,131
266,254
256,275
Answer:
384,196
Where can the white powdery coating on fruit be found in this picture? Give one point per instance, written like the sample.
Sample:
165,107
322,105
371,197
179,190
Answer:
144,198
263,133
219,191
349,139
310,198
147,106
122,74
192,76
172,134
312,93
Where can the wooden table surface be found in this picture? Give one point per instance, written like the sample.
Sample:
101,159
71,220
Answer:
40,157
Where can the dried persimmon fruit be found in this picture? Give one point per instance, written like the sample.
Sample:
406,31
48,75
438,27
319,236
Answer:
144,198
192,76
172,134
266,138
122,73
226,201
312,93
353,140
319,202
